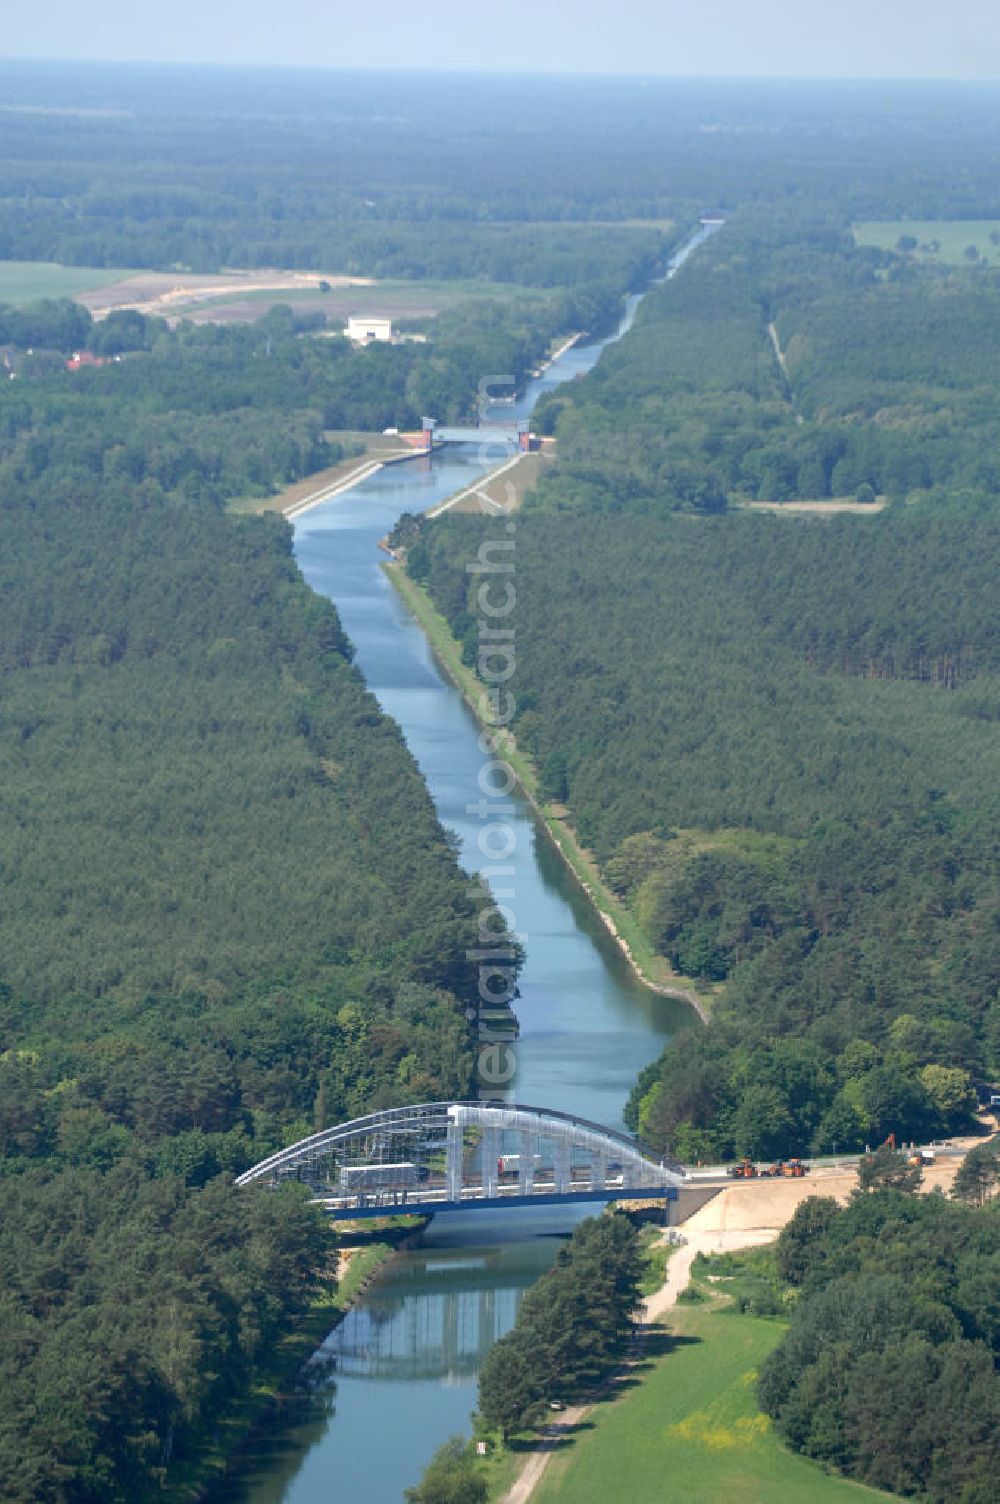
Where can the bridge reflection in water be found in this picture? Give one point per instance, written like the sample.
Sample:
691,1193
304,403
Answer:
449,1156
436,1322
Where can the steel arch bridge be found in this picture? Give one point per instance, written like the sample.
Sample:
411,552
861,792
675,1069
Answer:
450,1156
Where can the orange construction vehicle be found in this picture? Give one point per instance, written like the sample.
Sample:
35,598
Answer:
920,1157
744,1170
789,1167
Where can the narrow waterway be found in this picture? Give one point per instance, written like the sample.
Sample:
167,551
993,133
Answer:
398,1376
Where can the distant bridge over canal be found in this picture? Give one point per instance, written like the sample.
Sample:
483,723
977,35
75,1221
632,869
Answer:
458,1156
498,436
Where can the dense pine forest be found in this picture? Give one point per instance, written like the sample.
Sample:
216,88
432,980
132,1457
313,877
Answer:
744,714
788,363
747,718
218,932
778,736
228,916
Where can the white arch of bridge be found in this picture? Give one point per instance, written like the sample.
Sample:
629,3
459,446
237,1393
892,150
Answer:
443,1155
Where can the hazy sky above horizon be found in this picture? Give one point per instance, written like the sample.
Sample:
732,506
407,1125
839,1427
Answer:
774,38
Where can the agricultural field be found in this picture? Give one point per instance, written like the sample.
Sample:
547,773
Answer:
239,297
951,237
26,281
691,1433
402,298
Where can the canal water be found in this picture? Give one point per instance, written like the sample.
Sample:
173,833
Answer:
398,1375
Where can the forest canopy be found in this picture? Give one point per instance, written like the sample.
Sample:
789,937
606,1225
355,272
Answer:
785,363
778,738
888,1369
228,913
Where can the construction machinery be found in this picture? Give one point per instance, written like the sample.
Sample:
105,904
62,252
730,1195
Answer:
788,1168
745,1169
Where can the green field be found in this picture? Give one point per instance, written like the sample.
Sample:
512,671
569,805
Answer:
691,1432
24,281
951,235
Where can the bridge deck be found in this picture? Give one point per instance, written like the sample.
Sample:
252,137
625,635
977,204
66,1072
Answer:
340,1209
500,434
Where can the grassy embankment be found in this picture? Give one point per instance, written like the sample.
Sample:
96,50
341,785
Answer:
951,235
650,967
500,490
691,1433
360,446
230,1431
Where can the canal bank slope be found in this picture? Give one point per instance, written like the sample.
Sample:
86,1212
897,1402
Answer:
651,969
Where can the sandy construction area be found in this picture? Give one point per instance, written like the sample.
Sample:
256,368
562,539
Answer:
163,293
748,1213
763,1206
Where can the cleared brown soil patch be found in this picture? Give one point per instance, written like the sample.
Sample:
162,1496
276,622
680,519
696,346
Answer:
164,293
